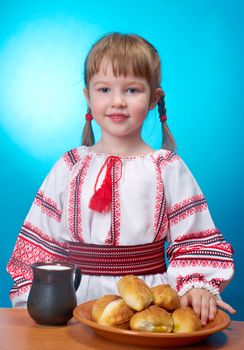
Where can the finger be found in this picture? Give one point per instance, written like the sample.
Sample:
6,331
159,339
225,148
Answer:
204,310
212,309
184,300
197,304
225,306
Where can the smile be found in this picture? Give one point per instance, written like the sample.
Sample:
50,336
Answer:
117,116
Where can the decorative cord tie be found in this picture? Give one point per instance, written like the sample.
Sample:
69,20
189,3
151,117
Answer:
102,197
89,117
163,118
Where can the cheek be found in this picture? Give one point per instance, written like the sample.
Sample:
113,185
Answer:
142,107
96,104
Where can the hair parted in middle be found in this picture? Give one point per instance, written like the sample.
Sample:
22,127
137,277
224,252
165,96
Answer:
127,54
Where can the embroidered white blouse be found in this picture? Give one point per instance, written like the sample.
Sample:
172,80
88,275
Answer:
156,198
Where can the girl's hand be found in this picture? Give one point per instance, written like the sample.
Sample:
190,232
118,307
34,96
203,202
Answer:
204,304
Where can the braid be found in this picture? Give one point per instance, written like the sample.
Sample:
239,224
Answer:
87,134
161,106
168,139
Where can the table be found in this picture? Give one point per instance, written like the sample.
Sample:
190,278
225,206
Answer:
19,332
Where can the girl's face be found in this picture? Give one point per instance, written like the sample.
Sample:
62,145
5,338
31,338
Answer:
119,104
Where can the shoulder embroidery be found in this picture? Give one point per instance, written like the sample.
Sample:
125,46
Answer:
71,158
168,157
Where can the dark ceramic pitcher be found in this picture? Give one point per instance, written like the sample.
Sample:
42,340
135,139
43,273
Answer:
52,296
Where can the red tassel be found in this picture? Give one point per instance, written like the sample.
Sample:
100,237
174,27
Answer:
102,198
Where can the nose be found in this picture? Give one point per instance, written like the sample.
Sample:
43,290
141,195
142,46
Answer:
118,100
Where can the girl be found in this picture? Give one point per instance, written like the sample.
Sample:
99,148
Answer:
109,207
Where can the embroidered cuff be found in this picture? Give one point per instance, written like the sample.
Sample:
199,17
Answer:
197,280
19,291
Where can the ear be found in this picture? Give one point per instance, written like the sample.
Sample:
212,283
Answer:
86,93
155,98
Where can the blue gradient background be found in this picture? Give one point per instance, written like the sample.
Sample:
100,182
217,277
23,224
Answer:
42,49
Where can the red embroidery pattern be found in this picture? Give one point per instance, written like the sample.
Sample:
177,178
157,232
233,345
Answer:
48,206
217,264
114,233
168,158
71,157
202,238
195,278
43,236
186,208
160,216
94,259
74,205
14,292
204,248
32,246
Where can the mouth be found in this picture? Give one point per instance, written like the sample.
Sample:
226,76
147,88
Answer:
118,116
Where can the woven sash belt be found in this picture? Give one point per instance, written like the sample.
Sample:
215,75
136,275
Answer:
93,259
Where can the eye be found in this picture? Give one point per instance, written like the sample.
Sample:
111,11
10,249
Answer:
133,90
104,90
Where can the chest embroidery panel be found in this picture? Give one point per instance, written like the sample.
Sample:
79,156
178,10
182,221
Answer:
112,237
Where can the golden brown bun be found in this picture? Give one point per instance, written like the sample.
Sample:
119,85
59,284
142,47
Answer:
166,297
185,320
152,319
116,314
100,305
135,292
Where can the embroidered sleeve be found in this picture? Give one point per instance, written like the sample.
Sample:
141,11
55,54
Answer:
199,256
42,236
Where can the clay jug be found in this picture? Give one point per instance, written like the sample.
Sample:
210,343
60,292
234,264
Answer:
52,296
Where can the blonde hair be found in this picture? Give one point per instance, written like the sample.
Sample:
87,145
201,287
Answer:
128,54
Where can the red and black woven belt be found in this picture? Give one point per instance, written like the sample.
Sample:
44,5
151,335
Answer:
143,259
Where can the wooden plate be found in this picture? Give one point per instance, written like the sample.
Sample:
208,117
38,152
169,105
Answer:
83,314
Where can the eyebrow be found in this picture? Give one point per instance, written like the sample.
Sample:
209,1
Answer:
100,82
131,82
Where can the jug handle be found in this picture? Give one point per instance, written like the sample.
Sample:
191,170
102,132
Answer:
77,278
